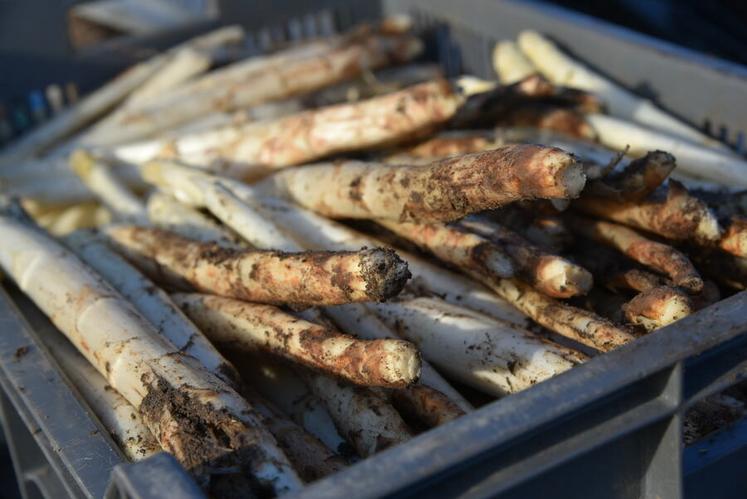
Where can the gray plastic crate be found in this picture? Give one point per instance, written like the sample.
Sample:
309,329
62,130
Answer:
609,428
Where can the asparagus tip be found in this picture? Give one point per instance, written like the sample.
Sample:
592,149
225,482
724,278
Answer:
384,272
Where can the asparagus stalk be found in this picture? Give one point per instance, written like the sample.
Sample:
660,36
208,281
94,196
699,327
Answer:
167,213
423,403
734,240
281,75
510,64
107,188
551,274
79,216
561,69
150,301
119,417
543,116
312,278
656,256
491,356
252,149
364,418
637,180
173,395
387,363
694,160
458,247
679,216
442,191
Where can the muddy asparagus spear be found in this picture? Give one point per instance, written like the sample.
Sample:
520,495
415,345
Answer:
442,191
658,307
676,215
734,240
637,180
119,417
551,274
251,150
321,278
172,394
387,363
656,256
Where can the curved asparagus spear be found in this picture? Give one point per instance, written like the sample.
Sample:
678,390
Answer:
658,307
153,303
458,247
679,216
510,64
491,356
637,180
561,69
313,278
551,274
173,395
442,191
657,256
387,363
119,417
107,187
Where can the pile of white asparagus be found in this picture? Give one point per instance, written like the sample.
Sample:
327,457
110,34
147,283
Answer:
269,321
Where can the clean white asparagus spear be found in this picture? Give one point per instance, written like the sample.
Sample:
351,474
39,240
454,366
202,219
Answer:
363,417
561,69
118,416
441,191
99,178
510,64
692,159
152,302
275,277
170,392
250,326
489,355
167,213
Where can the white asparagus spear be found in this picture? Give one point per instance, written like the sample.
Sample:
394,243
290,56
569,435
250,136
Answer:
441,191
153,303
99,178
167,213
284,74
250,326
510,64
317,232
78,216
489,355
693,159
362,416
276,277
119,417
561,69
170,392
658,307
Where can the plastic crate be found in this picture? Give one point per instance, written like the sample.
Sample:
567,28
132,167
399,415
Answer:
608,428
